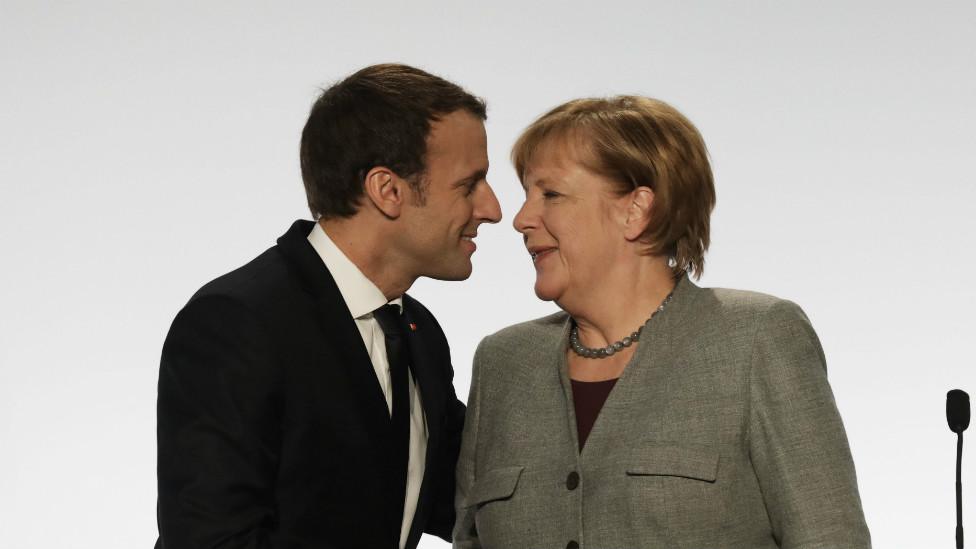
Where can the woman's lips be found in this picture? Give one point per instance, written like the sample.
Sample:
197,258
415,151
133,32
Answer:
539,254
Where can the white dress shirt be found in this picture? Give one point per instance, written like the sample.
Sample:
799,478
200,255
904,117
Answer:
363,297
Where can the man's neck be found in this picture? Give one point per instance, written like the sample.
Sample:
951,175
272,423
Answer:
370,251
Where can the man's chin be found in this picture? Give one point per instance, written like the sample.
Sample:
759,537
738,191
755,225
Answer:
452,273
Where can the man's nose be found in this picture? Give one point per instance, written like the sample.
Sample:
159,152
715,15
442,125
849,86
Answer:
487,208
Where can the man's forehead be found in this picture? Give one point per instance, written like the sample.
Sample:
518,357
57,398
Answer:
459,145
455,122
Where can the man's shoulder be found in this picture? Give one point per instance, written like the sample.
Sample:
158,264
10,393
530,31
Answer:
258,284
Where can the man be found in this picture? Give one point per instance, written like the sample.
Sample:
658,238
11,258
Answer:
304,399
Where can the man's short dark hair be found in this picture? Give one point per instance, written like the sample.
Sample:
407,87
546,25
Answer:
379,116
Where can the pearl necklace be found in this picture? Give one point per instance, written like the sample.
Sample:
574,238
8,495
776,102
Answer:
613,348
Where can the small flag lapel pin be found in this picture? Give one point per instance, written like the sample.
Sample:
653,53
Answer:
413,327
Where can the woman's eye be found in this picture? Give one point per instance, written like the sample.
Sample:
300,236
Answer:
550,194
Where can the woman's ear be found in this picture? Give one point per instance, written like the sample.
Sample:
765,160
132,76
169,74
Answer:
385,190
639,204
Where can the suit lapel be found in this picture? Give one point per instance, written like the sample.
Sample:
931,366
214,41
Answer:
644,382
557,352
423,364
340,332
427,374
337,326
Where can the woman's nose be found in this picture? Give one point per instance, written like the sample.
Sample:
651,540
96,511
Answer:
524,219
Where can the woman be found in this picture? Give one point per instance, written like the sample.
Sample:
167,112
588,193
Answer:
650,412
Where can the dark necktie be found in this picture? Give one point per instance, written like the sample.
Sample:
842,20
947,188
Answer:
398,355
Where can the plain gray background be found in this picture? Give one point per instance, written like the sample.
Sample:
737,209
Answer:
147,148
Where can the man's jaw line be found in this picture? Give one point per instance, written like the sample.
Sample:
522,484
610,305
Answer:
370,253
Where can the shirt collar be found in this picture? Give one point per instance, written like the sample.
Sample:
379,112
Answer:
360,294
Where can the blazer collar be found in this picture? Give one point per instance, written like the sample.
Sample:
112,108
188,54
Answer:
677,312
426,365
336,322
652,358
340,330
427,355
306,263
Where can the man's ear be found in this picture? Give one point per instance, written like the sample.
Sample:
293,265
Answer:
386,190
639,204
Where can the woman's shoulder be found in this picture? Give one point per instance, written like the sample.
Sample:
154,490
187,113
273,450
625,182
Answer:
530,332
740,304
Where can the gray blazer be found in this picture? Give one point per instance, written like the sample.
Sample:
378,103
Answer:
722,433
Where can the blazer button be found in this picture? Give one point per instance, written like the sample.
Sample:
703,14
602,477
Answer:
572,545
572,481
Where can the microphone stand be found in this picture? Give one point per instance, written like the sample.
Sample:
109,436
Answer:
957,416
959,491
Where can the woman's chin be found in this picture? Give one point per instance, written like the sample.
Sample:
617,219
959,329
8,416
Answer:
546,292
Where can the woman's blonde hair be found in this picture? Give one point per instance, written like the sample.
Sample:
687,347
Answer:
637,141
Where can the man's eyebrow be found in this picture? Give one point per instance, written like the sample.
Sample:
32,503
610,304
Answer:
476,176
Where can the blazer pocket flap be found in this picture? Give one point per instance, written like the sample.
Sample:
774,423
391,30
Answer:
495,484
675,460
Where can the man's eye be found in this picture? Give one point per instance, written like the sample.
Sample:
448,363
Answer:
470,187
550,194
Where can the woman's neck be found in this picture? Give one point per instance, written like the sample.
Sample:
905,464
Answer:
623,303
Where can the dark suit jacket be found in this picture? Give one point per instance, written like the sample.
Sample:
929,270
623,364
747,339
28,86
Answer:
273,431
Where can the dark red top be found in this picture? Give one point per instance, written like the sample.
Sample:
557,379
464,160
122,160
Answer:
588,399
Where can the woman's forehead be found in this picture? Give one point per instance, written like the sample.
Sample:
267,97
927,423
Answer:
558,153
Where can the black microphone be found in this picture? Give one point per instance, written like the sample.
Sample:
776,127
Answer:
957,410
957,415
